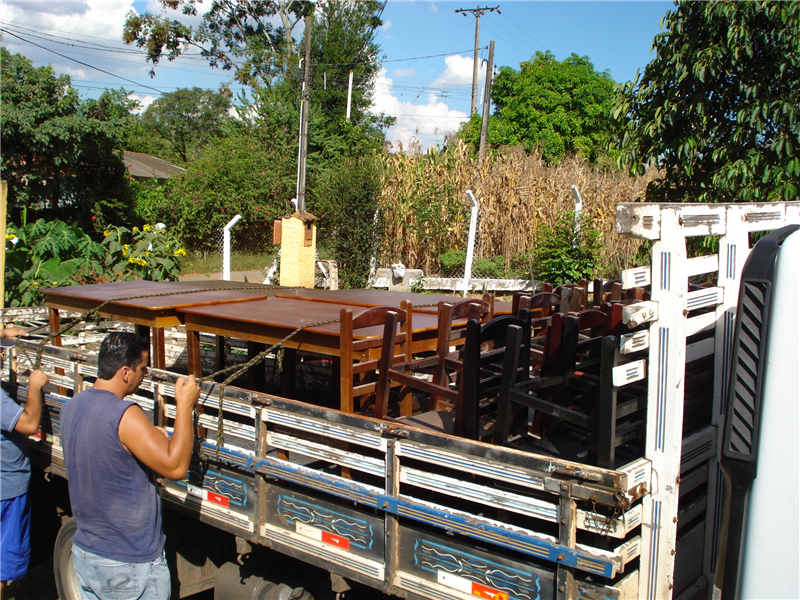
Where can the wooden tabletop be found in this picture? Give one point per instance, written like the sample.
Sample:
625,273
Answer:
142,294
371,297
287,314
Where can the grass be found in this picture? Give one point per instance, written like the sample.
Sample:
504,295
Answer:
197,262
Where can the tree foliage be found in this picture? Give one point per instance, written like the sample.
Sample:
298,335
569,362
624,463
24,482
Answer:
237,175
347,203
717,108
186,119
233,35
556,107
58,151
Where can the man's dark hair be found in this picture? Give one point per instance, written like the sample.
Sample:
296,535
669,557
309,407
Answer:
120,349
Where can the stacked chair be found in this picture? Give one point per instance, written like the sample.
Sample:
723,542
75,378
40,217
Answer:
549,379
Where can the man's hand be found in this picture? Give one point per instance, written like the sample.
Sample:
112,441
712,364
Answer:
167,456
12,332
28,422
37,379
187,393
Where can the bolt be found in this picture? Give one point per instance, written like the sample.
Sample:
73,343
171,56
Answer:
565,488
673,552
562,557
562,588
563,521
678,479
675,519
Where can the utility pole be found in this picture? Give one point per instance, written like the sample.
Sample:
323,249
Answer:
477,12
487,101
301,153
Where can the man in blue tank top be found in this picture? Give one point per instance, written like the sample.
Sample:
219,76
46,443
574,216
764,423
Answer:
113,455
18,422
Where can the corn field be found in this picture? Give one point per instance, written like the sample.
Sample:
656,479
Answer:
425,211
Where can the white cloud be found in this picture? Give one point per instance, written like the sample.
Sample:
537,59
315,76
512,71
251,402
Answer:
404,72
458,70
424,123
144,102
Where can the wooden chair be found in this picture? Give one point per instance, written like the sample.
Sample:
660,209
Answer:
470,397
614,418
360,358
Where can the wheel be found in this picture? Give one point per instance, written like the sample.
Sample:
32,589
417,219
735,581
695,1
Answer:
66,581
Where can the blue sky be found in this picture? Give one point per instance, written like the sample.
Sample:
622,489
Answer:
429,96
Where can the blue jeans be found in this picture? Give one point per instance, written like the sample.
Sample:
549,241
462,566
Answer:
106,579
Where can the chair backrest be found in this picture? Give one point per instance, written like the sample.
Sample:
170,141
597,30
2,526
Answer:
471,308
363,356
483,358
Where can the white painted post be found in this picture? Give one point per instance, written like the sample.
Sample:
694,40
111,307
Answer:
473,221
578,206
349,95
226,247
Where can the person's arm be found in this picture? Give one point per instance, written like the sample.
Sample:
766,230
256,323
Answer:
169,457
12,332
28,422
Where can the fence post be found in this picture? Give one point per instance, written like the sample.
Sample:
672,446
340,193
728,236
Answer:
226,247
473,221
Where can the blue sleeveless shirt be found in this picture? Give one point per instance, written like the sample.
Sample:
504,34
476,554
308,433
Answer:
114,496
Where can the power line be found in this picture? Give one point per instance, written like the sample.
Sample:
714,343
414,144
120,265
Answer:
78,61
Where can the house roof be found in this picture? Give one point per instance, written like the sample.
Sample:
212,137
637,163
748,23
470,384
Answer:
144,166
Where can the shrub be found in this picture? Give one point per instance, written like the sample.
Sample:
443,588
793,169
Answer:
453,263
568,251
146,253
47,254
346,201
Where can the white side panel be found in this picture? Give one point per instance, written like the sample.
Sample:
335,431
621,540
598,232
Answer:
767,549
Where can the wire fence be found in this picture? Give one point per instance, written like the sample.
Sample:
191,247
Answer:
251,250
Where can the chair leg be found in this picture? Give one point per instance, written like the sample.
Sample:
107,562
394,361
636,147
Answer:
604,432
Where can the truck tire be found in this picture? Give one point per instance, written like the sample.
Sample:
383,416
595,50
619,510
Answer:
66,581
231,585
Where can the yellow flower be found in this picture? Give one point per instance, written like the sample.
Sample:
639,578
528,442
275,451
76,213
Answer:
105,234
180,252
125,250
131,259
144,228
167,246
147,254
135,229
11,236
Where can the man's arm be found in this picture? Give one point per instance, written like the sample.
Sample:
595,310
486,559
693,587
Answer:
167,457
28,422
12,332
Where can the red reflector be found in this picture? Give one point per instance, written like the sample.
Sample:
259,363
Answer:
335,540
216,498
481,591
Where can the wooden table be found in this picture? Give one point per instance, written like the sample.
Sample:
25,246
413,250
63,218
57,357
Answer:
145,311
270,320
372,297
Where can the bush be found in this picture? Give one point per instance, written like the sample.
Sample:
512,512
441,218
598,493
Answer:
47,254
490,268
345,203
146,253
453,263
565,252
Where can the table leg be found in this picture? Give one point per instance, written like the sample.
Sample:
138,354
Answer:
256,379
55,325
288,371
159,359
193,353
219,355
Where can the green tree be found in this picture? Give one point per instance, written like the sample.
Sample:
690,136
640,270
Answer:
186,119
59,153
717,108
238,175
232,35
346,206
551,106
